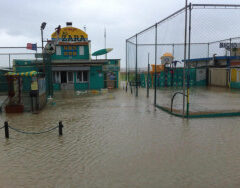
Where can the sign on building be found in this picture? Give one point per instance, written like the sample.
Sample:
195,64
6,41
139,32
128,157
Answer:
228,45
201,74
70,34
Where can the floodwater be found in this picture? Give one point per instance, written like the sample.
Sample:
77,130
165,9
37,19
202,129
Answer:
117,140
202,99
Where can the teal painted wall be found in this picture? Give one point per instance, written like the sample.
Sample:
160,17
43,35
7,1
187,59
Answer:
96,77
235,85
25,66
62,57
116,74
22,62
81,86
113,66
3,81
56,87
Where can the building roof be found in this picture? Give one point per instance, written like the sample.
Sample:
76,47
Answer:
74,61
69,62
216,58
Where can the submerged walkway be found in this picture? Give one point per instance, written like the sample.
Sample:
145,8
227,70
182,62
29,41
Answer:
116,140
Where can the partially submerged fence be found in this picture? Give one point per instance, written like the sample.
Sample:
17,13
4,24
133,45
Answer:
195,35
6,128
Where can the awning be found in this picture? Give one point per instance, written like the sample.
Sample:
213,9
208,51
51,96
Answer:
102,51
30,73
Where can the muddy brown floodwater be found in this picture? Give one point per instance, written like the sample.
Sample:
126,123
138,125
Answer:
116,140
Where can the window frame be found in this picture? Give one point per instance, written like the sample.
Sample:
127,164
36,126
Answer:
82,77
57,77
58,49
81,50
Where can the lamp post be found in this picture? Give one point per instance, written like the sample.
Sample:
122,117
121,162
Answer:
43,25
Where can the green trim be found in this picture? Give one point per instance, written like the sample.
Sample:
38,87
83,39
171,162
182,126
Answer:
209,115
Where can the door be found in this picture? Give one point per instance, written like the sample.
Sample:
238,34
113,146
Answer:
69,85
63,77
70,77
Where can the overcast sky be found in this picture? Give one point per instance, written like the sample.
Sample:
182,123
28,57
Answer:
20,20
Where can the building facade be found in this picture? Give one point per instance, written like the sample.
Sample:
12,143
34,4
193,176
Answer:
70,63
65,64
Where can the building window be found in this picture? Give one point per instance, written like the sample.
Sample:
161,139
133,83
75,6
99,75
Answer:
85,76
70,77
69,50
79,76
82,76
56,77
81,50
58,50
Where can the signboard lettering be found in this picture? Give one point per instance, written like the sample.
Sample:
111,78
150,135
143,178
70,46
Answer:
229,45
71,34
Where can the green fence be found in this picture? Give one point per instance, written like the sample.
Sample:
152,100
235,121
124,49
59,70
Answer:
172,78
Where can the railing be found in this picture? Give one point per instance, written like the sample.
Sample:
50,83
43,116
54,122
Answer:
174,97
7,127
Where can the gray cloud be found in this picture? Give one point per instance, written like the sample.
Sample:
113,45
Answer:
20,20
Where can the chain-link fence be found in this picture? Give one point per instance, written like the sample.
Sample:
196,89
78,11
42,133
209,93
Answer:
196,40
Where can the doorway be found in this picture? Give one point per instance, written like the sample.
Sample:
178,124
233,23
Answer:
63,77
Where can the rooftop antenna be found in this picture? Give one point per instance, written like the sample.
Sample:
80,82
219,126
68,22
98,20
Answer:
105,41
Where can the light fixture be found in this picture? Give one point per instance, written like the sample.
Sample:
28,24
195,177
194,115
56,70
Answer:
43,25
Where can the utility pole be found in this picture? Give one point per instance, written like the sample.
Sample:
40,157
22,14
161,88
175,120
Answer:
42,38
43,25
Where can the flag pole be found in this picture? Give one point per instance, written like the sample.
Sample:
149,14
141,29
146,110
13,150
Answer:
105,41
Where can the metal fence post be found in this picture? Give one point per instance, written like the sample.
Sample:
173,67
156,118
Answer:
60,127
6,129
173,49
136,73
148,77
126,78
185,50
9,60
230,40
208,49
189,54
155,72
